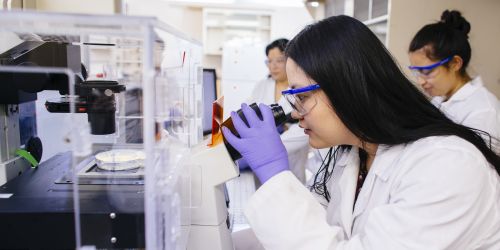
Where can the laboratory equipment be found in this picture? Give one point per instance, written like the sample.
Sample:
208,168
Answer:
240,190
209,96
59,56
134,172
118,181
279,119
209,214
120,159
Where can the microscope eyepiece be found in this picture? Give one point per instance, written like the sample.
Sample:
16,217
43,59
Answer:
279,118
278,114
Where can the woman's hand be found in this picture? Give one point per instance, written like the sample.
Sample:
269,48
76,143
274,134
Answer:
260,144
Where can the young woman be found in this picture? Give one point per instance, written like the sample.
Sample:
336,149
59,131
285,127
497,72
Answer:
268,91
403,176
439,55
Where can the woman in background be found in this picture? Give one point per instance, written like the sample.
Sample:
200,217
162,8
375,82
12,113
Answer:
268,91
439,55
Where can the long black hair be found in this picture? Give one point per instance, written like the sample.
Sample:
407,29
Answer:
448,37
367,89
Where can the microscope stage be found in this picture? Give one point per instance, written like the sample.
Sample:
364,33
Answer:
91,173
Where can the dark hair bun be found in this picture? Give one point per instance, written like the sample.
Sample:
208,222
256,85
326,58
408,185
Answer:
456,21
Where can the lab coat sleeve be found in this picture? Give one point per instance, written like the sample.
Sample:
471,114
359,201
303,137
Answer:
486,120
285,215
435,205
442,200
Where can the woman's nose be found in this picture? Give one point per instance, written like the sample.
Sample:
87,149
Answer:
421,80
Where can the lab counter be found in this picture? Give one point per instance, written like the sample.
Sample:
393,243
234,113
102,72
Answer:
36,212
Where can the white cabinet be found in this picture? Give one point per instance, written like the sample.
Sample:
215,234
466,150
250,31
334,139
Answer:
373,13
366,10
222,25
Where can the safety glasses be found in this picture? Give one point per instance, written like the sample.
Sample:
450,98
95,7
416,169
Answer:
426,71
276,61
301,99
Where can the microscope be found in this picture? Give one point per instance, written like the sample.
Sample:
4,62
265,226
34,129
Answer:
216,160
36,197
40,201
95,98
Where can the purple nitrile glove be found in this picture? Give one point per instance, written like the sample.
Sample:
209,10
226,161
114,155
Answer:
260,144
242,163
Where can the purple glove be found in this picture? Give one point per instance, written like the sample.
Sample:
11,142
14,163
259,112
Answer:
260,144
242,164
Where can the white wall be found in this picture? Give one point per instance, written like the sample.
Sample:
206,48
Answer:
287,22
77,6
408,16
184,18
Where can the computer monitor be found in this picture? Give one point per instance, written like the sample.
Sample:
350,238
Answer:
209,96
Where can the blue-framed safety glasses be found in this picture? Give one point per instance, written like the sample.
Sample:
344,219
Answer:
425,71
301,99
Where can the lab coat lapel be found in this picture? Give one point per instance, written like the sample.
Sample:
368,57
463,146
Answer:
386,159
347,186
362,201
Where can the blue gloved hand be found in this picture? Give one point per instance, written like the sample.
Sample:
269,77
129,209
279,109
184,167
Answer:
260,144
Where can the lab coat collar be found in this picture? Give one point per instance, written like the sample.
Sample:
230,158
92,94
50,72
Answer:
386,159
467,90
347,185
348,159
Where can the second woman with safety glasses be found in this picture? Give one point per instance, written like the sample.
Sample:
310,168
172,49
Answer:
439,54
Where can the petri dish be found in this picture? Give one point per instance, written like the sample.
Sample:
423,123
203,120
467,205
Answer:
120,159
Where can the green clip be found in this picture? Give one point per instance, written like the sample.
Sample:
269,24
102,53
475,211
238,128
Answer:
26,155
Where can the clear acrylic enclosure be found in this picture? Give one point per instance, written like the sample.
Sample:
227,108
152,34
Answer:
130,94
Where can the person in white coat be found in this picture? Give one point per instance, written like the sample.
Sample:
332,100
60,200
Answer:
268,91
402,175
439,55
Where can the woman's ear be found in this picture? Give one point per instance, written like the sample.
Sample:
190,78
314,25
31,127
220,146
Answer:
456,63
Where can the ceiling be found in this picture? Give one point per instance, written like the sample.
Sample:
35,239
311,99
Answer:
261,3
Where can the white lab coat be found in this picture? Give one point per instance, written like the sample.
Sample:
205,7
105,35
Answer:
294,139
435,193
473,106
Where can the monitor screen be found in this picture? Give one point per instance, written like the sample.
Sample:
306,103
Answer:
209,96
